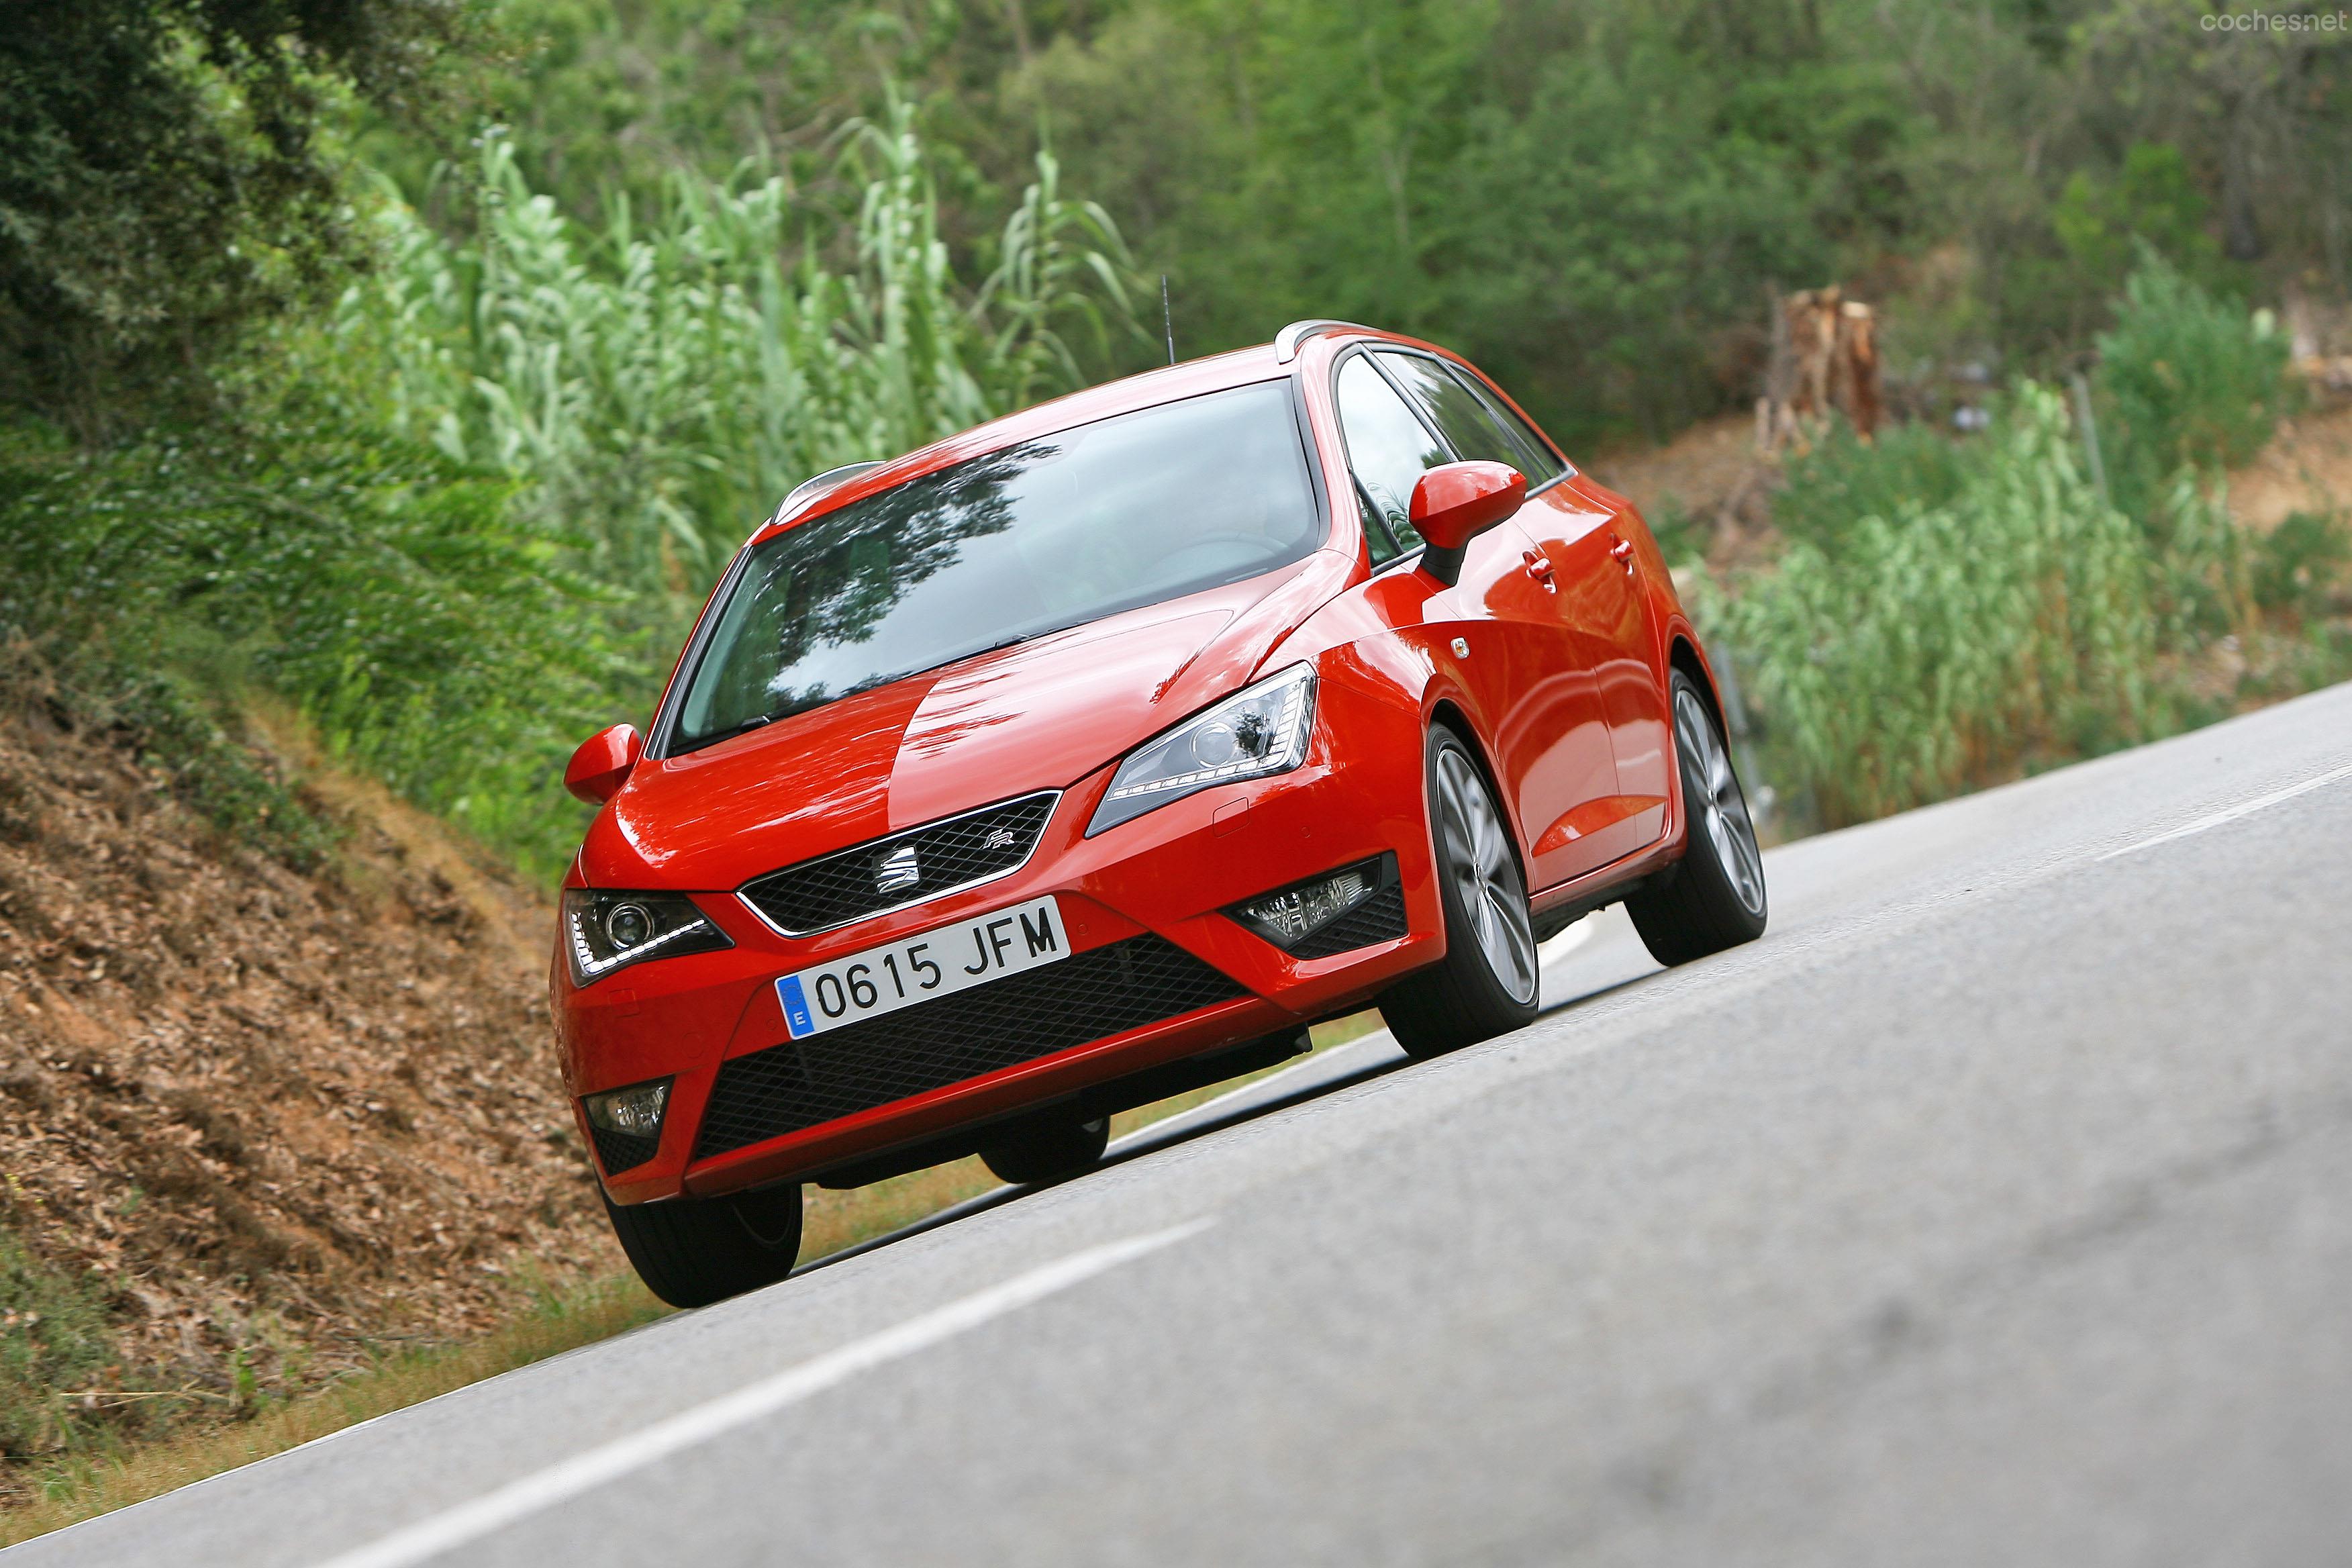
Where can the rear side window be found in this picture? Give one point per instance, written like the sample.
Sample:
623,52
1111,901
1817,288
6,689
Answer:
1477,425
1389,448
1548,464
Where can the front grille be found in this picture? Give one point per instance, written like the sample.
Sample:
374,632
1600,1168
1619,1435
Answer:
905,869
619,1152
1380,918
1104,992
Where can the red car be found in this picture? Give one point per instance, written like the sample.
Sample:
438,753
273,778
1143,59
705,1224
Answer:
1091,755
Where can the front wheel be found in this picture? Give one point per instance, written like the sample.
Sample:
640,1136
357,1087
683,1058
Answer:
693,1251
1485,984
1714,897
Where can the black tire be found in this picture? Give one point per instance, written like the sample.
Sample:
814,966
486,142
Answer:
1713,897
1048,1149
693,1251
1487,982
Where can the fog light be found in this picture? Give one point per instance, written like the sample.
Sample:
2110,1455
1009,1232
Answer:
1288,916
636,1110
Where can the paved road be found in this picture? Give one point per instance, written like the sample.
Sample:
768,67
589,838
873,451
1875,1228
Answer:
1996,1208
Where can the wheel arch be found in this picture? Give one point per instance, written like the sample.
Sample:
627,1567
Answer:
1448,714
1683,652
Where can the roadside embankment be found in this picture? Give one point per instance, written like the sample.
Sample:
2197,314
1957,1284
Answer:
260,1128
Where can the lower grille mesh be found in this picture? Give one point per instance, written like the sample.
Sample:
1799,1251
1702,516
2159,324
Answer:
800,1083
619,1152
1380,918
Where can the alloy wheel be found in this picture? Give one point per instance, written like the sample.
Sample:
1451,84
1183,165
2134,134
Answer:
1720,808
1486,872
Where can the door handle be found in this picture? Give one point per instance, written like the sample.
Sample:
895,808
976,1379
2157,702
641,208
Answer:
1538,566
1621,551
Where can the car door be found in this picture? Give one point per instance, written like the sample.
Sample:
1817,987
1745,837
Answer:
1540,707
1589,546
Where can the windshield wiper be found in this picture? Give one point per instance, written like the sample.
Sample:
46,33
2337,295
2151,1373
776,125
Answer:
733,729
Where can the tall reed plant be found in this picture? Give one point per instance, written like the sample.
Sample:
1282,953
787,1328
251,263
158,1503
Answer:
658,384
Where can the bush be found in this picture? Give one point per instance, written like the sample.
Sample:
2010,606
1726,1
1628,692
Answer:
1939,643
2186,379
379,585
2298,562
1842,479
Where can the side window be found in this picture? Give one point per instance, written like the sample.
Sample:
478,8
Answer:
1476,425
1461,418
1389,447
1548,464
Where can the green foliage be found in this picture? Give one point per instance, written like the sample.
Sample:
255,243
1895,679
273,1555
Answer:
53,1338
1588,199
458,522
659,385
161,177
1951,609
2152,202
1937,642
1842,479
2298,563
2188,378
378,585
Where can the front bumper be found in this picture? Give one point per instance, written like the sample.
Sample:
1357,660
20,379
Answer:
1156,881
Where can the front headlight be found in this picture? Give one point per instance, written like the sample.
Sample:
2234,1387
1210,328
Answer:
1256,733
603,932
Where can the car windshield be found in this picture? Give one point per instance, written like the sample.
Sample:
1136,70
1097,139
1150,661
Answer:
1049,534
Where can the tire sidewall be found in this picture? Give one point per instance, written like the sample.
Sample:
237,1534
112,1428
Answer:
1464,955
1700,861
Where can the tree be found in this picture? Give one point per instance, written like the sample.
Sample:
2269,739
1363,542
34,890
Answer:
163,176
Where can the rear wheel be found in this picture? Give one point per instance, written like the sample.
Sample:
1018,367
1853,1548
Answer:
1715,898
1048,1150
1485,984
691,1252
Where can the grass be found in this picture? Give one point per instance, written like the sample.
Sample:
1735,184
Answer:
74,1490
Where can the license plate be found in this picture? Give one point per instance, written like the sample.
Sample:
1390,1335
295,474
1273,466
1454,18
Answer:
939,962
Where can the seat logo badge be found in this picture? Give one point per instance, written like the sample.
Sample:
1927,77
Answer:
999,838
897,869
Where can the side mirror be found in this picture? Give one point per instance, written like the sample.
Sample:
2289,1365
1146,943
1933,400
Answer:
1455,502
602,764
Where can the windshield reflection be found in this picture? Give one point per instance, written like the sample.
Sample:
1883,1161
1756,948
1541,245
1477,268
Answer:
1042,535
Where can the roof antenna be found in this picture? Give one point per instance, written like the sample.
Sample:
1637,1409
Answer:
1167,318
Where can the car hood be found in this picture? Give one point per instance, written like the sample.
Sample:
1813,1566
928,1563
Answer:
1042,714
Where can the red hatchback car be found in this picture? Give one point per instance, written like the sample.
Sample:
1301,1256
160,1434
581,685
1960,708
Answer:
1091,755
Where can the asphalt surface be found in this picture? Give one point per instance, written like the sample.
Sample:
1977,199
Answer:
1995,1209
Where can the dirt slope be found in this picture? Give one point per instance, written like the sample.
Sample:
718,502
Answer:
253,1121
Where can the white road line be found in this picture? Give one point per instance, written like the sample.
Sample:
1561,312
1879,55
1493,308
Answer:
2246,809
584,1472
